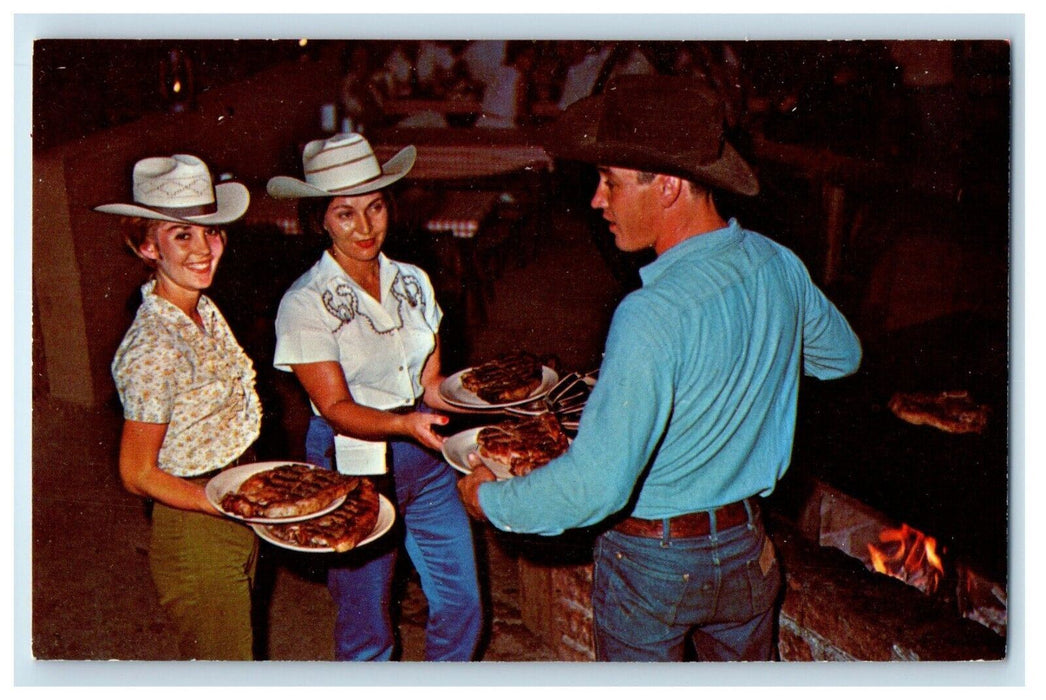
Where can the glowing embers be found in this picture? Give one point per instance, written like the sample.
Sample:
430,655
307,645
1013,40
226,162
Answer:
834,519
908,555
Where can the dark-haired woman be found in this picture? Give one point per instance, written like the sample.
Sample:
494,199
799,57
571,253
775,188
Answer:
360,332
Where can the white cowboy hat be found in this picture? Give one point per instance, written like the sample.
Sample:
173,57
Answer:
342,166
179,189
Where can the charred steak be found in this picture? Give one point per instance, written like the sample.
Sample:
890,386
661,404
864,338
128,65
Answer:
507,377
950,411
341,529
289,490
524,444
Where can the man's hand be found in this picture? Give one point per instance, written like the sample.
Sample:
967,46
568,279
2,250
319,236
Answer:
468,487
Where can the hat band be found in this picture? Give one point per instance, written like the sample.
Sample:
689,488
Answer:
199,210
362,183
356,171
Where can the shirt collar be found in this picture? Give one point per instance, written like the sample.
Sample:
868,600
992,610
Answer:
704,244
156,304
331,269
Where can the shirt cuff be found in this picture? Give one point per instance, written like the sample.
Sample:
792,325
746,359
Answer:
487,503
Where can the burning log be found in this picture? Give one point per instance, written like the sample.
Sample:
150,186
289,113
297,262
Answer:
834,519
908,555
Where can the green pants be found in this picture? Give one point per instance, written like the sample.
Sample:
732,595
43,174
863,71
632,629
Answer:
203,567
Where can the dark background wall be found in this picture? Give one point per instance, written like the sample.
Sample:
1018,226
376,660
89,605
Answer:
914,135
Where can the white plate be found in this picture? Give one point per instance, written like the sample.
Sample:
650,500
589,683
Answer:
457,448
386,516
230,480
455,394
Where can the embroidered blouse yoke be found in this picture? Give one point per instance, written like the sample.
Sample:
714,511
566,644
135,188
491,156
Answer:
382,346
199,382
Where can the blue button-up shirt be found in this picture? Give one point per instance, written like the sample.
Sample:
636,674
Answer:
696,400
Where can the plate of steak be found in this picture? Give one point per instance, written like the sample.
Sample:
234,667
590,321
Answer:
509,379
363,517
518,446
277,492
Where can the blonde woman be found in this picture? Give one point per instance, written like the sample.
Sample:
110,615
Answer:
190,406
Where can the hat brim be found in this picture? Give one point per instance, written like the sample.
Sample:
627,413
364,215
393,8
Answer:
574,137
231,202
285,187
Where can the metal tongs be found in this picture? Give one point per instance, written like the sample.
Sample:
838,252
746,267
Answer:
570,394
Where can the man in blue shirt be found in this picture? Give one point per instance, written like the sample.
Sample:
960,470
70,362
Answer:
693,416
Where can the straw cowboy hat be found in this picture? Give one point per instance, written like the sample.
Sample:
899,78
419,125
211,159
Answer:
659,124
342,166
179,189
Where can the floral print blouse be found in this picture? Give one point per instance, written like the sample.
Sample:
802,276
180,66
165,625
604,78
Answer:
199,382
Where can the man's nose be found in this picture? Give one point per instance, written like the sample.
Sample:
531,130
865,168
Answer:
598,200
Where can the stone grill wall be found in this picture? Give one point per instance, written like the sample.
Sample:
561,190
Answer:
572,606
833,609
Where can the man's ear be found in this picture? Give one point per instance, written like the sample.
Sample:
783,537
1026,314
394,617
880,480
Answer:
670,189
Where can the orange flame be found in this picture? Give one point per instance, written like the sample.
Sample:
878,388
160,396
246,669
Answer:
908,555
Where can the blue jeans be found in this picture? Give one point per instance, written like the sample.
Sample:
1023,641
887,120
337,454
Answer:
650,596
438,539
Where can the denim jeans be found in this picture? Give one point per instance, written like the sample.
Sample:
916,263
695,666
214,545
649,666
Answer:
438,539
719,591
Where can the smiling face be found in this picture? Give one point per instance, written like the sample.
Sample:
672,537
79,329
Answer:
357,227
626,205
185,256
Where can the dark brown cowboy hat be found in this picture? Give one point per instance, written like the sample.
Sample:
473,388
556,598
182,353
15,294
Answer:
655,123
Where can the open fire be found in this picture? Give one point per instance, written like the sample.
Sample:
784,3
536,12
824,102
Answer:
907,554
834,519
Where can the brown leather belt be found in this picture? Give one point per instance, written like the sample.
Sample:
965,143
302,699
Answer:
690,525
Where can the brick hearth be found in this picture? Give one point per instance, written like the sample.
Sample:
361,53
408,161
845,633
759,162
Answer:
833,609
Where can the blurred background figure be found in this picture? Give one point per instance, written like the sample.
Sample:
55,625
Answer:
359,98
484,59
506,99
435,67
583,59
397,77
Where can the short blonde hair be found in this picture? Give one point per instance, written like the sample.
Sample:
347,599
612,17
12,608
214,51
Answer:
137,230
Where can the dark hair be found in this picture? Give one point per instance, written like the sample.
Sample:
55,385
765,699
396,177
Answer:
313,210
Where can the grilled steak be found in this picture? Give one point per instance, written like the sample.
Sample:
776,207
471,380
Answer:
522,445
289,490
508,377
341,529
950,411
